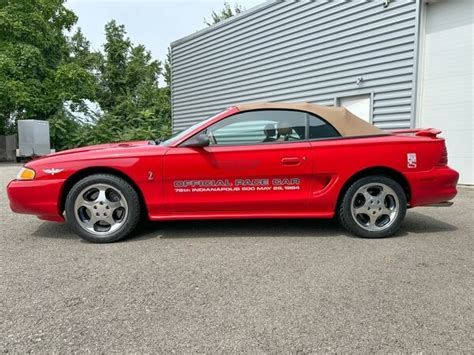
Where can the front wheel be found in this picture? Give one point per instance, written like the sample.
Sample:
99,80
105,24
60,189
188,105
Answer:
373,207
102,208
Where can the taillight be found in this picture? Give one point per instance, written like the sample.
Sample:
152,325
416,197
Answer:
443,160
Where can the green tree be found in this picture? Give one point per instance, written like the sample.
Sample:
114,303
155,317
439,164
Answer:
36,75
223,14
133,104
167,67
165,97
45,74
75,85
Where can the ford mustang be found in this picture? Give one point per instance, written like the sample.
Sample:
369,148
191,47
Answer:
260,160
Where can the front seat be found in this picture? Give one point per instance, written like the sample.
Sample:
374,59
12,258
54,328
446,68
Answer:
270,133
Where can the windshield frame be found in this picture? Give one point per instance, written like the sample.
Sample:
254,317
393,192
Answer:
189,132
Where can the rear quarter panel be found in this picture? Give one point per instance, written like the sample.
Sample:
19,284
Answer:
336,161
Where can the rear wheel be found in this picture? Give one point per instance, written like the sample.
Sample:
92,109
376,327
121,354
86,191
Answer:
373,207
102,208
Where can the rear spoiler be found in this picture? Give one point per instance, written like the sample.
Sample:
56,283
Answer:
421,132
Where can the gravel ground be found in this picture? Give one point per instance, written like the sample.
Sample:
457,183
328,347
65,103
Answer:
252,286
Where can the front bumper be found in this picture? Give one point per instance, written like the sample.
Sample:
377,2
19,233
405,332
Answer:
432,187
38,197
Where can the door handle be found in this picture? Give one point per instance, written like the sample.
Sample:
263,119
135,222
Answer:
290,161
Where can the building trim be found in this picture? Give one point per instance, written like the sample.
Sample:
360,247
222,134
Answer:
225,22
416,65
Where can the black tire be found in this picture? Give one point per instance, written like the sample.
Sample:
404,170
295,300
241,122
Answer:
354,226
128,223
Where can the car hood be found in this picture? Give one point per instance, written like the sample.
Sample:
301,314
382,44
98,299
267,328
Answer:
100,151
97,147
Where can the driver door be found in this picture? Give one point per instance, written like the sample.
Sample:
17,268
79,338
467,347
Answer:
256,161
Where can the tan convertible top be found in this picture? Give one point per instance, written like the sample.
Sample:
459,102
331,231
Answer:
346,123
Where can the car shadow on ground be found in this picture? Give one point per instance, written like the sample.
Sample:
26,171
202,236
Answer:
54,230
244,228
415,223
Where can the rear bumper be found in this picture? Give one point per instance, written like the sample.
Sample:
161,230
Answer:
432,187
41,198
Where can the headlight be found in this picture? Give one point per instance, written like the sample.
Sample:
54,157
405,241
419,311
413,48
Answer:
26,174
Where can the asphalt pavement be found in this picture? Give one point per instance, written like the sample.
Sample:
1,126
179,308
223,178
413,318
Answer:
260,286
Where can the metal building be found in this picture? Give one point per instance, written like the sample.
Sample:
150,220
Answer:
380,59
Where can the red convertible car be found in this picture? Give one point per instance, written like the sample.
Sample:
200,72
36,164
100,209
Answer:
263,160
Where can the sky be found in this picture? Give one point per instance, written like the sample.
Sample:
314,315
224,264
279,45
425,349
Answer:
153,23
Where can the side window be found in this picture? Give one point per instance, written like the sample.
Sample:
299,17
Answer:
320,129
259,127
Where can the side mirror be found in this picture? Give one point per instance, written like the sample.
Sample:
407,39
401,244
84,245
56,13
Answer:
201,140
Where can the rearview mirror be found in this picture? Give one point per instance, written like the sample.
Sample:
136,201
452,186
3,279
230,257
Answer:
201,140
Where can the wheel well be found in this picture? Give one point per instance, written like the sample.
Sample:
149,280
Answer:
73,179
391,173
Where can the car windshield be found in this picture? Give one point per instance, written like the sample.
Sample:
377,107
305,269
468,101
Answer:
175,137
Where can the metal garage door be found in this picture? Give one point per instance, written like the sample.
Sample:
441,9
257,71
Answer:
447,77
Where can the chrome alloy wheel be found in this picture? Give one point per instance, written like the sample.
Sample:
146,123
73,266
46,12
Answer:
101,209
375,206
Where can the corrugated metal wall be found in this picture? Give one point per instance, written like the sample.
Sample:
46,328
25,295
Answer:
300,51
